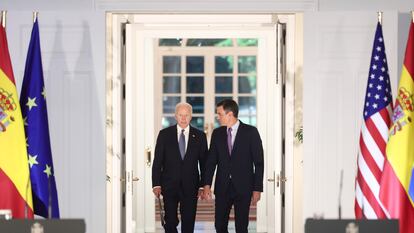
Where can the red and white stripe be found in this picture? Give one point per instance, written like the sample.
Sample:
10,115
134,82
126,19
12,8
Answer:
371,156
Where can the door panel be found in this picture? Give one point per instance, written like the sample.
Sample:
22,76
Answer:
139,133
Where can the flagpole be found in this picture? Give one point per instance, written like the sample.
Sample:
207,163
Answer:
380,17
35,15
3,18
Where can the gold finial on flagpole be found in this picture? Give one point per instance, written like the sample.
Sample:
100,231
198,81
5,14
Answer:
35,15
380,17
3,18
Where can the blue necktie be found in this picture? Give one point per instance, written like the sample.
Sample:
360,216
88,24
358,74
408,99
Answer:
181,144
229,143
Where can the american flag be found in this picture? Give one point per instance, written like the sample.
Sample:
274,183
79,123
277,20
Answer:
374,134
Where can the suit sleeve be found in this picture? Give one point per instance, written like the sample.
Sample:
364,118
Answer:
202,157
258,160
158,160
211,161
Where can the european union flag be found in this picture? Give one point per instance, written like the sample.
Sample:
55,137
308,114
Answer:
33,105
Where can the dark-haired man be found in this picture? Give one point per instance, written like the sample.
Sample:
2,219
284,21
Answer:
236,150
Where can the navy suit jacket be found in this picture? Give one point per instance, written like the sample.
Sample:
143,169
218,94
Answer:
245,166
171,172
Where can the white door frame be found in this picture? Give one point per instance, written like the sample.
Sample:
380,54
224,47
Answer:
289,114
249,22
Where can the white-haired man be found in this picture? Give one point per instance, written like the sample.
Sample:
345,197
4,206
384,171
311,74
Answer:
180,154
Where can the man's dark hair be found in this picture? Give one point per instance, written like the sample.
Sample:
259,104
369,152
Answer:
229,105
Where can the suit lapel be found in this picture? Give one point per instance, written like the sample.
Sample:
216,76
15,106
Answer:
190,146
174,137
223,138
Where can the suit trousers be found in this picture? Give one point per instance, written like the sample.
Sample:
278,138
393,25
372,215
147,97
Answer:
188,207
241,210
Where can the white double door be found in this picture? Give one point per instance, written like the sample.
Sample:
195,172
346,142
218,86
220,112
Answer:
141,120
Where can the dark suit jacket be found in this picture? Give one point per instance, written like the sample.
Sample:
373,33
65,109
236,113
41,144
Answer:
245,166
171,172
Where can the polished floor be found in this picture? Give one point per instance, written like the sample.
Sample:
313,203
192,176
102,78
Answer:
208,227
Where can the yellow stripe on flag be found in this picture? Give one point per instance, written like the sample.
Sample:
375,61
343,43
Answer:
13,156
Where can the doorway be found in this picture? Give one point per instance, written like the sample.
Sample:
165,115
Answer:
162,60
202,72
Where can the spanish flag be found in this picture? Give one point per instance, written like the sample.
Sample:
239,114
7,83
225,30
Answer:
15,187
397,183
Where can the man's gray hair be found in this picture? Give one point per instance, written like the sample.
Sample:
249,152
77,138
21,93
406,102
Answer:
184,104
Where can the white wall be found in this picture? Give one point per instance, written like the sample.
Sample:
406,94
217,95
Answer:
73,52
46,5
365,5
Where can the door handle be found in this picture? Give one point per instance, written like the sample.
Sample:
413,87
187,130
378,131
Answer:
283,179
280,179
126,178
132,178
273,180
148,156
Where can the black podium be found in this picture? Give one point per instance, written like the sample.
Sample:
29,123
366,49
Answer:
351,226
43,226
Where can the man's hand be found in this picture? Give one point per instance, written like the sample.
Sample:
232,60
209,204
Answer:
207,192
157,191
255,197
